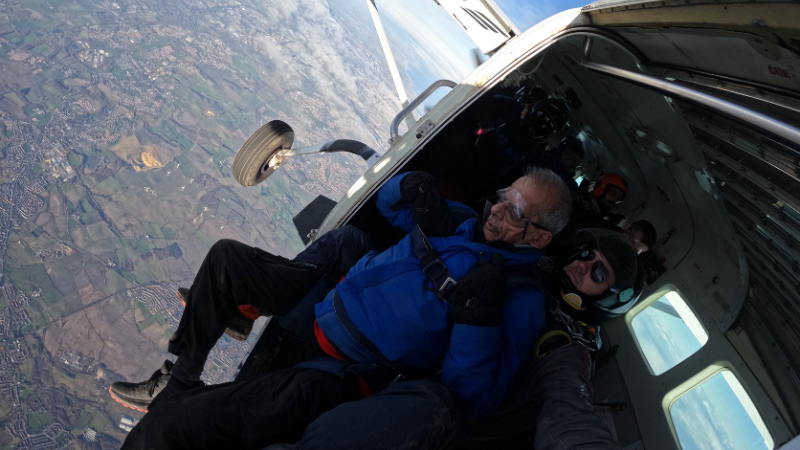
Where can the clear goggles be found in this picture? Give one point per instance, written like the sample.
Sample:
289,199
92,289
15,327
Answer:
515,207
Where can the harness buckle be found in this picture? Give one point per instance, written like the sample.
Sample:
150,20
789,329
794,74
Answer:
447,286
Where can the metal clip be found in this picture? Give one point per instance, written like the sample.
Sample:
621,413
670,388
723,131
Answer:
448,284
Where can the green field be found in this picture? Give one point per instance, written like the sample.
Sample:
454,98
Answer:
204,239
142,309
34,426
153,230
25,392
142,246
81,422
169,133
151,320
98,422
169,233
109,186
74,159
27,277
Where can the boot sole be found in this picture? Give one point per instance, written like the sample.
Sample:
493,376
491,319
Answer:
123,403
180,299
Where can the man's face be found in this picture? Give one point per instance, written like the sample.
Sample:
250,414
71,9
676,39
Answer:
580,274
571,159
501,225
610,198
635,237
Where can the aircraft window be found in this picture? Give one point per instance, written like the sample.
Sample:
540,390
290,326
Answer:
668,332
719,414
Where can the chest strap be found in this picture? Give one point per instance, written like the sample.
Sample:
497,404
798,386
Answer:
432,265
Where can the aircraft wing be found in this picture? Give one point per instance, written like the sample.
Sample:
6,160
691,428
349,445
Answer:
484,21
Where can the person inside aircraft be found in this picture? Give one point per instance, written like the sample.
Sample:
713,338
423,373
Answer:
641,234
512,127
565,160
398,314
594,210
598,279
609,191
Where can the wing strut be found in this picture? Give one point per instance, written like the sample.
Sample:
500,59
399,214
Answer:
387,51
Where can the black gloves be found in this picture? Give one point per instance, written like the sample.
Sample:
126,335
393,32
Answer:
431,211
478,299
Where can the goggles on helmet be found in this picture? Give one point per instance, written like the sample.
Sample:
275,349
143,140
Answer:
599,273
515,205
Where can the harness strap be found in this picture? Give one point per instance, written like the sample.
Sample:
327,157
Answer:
432,265
550,341
588,336
402,370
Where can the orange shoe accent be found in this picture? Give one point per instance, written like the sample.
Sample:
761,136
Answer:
250,312
124,404
180,299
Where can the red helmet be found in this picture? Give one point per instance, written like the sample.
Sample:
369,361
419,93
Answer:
609,179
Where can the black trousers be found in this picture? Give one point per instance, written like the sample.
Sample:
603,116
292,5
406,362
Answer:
274,407
234,274
552,394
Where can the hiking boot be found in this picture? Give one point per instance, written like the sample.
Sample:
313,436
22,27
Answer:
139,396
238,328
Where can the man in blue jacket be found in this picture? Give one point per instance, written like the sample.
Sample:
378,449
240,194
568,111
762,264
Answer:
398,312
549,406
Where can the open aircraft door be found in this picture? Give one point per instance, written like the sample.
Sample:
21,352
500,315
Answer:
703,123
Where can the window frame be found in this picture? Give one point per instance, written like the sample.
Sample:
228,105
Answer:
652,298
698,379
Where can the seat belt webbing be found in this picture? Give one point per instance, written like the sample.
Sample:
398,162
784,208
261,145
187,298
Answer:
432,264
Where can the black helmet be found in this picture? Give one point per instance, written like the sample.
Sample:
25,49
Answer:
544,118
627,268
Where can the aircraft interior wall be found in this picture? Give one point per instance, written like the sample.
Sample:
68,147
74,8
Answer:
723,198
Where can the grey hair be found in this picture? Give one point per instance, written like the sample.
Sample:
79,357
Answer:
554,215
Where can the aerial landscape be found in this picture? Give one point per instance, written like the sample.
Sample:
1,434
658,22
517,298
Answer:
119,121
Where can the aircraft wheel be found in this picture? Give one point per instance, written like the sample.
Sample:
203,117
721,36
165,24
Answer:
251,165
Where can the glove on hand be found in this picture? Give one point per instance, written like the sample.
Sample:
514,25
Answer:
431,211
479,296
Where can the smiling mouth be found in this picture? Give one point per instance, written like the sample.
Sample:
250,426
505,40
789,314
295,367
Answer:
571,276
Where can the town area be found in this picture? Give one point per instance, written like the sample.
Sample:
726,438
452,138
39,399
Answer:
119,121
